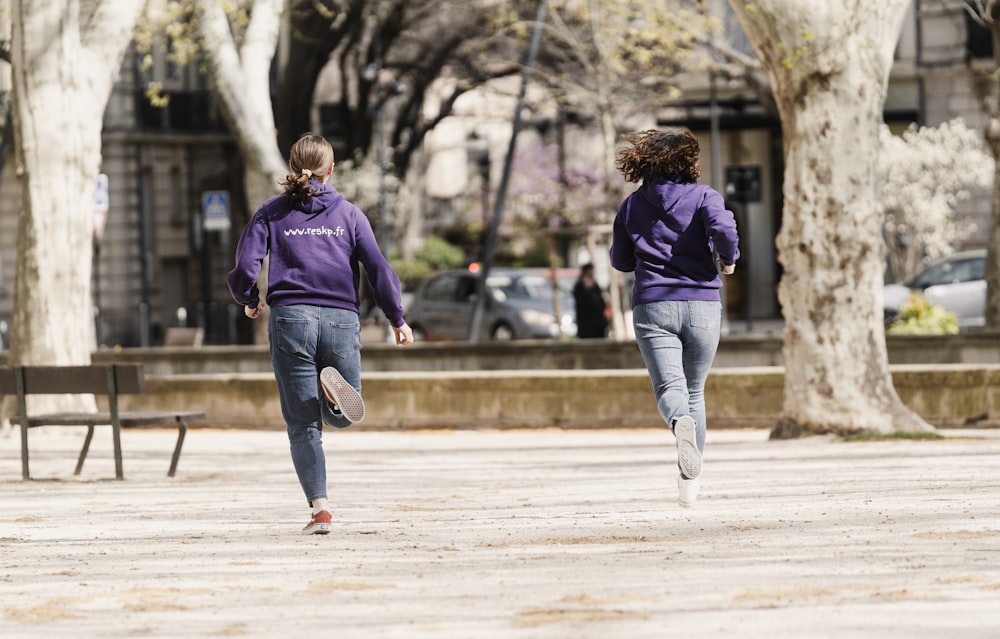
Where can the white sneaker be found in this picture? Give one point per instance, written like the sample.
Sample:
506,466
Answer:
687,491
688,455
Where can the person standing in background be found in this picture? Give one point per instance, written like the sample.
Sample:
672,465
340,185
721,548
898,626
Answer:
677,236
591,305
315,240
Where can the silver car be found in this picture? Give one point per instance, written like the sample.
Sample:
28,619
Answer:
519,305
956,283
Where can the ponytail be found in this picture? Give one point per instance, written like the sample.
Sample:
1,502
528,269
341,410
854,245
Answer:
311,155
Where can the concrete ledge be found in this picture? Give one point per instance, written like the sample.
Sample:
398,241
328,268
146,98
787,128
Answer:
980,348
945,395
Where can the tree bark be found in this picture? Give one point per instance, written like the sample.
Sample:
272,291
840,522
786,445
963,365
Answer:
63,71
6,124
829,67
992,310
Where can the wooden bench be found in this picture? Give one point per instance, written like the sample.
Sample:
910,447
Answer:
99,379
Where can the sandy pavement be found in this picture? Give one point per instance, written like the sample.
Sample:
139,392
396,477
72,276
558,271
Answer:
486,534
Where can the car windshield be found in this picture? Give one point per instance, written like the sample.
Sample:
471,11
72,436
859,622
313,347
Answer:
951,272
532,287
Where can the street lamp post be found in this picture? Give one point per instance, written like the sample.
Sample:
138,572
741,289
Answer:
489,244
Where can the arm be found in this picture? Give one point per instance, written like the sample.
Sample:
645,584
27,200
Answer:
385,283
250,253
622,247
720,227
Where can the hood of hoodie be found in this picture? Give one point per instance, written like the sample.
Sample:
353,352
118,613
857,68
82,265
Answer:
664,194
279,207
326,198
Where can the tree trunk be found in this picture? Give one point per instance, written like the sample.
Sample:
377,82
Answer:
829,67
992,310
63,70
241,80
6,124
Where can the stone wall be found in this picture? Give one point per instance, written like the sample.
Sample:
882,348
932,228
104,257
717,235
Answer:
945,395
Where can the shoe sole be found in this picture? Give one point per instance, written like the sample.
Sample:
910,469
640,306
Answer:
316,529
346,397
688,455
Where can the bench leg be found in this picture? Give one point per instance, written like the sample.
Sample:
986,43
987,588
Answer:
116,434
24,452
181,432
84,450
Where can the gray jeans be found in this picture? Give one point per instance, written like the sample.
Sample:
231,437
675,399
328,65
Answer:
678,341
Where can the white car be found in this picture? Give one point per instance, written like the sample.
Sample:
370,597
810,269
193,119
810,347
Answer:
956,283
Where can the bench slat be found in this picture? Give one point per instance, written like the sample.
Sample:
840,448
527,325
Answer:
58,380
126,419
99,379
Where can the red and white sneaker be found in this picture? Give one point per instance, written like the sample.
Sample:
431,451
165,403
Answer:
319,524
342,395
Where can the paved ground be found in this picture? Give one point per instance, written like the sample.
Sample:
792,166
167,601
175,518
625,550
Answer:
518,534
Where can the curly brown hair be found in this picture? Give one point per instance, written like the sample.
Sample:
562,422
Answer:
311,157
671,154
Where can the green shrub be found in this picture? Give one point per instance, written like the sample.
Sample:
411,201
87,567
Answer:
440,255
410,271
917,316
433,255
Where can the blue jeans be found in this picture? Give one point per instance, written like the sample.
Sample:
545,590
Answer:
304,340
678,341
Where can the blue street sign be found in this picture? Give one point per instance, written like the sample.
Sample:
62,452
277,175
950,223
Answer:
215,210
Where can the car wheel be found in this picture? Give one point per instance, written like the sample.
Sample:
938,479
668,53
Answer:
502,333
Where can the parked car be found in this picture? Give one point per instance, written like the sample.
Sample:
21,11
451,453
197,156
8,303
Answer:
519,305
956,283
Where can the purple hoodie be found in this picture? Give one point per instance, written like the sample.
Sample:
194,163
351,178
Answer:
668,233
314,253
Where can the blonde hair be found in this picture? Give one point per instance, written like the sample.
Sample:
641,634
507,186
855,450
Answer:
311,158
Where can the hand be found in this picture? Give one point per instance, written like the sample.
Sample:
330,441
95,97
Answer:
404,334
727,270
253,312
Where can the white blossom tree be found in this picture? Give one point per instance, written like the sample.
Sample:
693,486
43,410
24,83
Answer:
828,64
924,173
65,56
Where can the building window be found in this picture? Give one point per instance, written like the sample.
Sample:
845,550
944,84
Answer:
978,39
